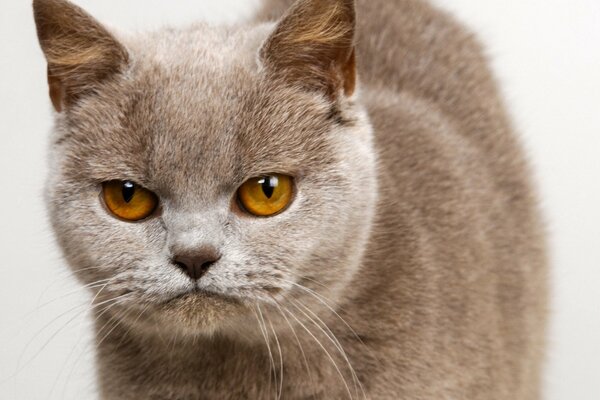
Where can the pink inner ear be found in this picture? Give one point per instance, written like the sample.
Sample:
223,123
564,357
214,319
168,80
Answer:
349,74
56,91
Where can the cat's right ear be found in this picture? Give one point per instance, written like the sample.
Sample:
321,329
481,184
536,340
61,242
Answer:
313,46
80,52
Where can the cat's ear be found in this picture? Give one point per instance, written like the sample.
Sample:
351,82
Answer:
80,52
313,46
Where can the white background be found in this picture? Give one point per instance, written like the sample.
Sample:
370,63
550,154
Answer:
547,56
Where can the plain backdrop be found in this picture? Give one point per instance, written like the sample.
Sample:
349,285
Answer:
546,54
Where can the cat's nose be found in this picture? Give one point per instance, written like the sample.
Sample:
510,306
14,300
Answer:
195,263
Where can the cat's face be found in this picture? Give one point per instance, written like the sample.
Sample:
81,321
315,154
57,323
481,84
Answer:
193,116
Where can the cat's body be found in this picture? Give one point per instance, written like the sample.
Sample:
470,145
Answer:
445,285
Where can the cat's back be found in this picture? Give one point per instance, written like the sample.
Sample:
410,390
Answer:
458,226
456,264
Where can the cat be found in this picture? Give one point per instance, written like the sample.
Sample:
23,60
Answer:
326,202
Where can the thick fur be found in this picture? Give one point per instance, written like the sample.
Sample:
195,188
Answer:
411,263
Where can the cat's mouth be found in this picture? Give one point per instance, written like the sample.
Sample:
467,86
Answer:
197,311
199,294
193,312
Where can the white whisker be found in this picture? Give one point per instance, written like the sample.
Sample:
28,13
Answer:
306,363
280,361
263,329
325,350
331,336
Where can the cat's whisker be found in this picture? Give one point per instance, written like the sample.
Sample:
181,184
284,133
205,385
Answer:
143,310
266,337
20,365
75,291
280,360
331,359
80,289
324,300
271,356
43,328
174,339
332,337
117,301
66,362
71,273
68,274
75,363
118,319
289,271
102,312
37,309
102,288
63,275
306,363
77,270
77,315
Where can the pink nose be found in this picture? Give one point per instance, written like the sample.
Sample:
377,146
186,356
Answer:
195,263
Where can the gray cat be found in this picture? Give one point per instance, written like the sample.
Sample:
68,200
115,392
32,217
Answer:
330,206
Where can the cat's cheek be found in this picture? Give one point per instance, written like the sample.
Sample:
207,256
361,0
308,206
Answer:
99,246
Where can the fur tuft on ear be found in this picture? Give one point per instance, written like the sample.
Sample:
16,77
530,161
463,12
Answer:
80,52
313,45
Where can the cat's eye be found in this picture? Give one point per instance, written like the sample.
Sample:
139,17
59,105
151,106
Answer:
266,195
128,200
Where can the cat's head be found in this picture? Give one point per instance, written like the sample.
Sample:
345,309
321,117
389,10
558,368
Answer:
199,172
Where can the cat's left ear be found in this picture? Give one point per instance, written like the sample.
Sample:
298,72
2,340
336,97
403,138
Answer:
313,47
81,53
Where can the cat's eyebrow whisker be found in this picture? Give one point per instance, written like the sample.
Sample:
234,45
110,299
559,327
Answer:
306,363
331,336
324,349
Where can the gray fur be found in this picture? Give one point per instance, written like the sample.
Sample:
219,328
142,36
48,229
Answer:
413,218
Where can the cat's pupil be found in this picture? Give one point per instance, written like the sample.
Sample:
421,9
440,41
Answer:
128,191
268,185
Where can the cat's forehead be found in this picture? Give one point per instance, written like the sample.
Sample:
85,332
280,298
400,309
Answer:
201,113
201,45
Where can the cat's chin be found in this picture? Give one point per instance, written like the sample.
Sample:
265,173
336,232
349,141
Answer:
190,314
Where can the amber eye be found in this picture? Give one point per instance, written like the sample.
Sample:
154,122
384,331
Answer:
266,195
128,200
